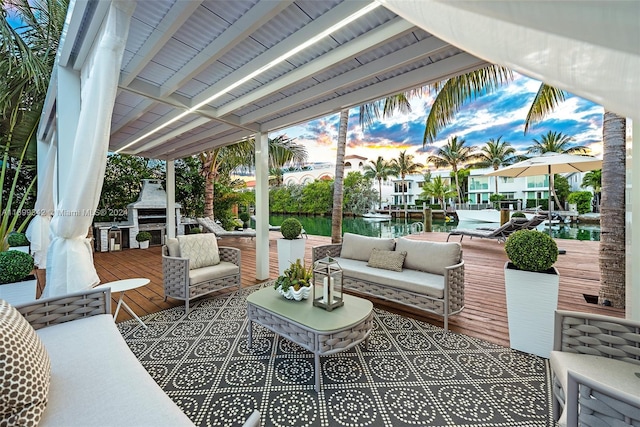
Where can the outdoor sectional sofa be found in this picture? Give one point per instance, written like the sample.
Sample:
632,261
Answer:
428,276
68,365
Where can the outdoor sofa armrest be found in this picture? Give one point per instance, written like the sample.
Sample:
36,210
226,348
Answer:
229,254
454,286
598,335
323,251
65,308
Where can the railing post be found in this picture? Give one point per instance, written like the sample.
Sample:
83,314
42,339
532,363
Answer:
428,219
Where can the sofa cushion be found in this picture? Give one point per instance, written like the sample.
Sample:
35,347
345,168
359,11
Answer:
97,380
359,247
200,249
431,257
388,260
409,280
173,246
212,272
26,370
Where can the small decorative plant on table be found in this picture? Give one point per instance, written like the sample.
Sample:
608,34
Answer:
244,217
296,281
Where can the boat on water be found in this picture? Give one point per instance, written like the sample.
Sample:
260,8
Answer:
375,216
483,215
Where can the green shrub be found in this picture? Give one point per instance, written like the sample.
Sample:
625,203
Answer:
582,199
17,239
518,214
290,228
195,230
244,216
143,236
531,250
14,266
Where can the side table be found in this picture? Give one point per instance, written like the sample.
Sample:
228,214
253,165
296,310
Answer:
122,286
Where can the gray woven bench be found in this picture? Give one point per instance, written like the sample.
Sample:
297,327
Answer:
431,278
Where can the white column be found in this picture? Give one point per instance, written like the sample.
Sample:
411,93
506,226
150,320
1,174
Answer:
171,199
633,233
68,112
262,206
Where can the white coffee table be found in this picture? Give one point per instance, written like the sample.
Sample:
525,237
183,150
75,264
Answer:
122,286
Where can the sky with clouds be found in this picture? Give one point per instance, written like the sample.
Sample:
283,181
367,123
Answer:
501,113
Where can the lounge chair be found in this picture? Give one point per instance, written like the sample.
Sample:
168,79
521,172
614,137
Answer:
211,226
501,233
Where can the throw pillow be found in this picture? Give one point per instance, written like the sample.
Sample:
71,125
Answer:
359,247
201,249
26,370
389,260
431,257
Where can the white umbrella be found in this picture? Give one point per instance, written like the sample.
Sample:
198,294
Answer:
550,164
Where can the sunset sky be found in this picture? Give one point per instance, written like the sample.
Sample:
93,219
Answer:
499,114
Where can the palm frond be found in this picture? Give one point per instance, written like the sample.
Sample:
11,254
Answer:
546,99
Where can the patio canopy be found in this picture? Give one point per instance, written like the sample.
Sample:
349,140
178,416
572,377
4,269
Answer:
195,75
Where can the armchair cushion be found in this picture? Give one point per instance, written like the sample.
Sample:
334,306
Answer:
212,272
200,249
359,247
26,370
431,257
173,246
388,260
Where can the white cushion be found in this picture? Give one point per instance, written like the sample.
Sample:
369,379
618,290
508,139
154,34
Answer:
24,370
359,247
96,380
409,280
173,246
431,257
200,249
212,272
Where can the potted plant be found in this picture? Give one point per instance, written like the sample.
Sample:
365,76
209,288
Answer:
238,224
18,242
195,230
290,247
17,284
531,284
143,238
295,283
244,217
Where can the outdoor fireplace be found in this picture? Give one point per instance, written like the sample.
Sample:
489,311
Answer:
149,213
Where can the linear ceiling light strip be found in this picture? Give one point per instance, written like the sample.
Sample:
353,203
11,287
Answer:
260,70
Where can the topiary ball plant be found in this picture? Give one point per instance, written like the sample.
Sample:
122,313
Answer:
195,230
143,236
17,239
14,266
518,214
290,228
531,250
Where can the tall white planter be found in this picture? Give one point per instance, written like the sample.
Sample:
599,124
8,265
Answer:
19,292
288,252
532,299
24,249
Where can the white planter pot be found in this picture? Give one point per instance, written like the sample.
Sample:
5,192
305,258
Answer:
532,299
288,252
19,292
144,245
299,295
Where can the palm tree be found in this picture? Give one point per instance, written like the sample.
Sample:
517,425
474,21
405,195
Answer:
556,142
338,188
403,166
438,188
496,154
454,154
593,179
378,170
219,162
612,208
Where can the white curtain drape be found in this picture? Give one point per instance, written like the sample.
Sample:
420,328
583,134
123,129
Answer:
589,48
38,230
70,259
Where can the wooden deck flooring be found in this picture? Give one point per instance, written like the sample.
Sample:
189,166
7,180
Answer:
484,315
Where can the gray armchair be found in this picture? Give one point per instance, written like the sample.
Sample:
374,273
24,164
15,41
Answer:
596,369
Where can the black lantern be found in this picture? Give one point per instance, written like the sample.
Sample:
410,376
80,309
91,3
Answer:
327,284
